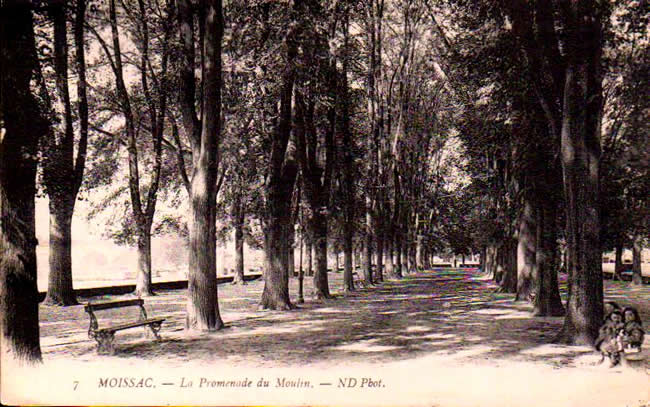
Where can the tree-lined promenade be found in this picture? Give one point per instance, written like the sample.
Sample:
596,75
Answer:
465,342
402,130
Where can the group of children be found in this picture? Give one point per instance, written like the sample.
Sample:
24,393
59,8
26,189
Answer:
621,333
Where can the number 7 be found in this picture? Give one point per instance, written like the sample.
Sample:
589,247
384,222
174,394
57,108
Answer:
76,383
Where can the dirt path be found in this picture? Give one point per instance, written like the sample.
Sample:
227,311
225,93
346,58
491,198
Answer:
436,338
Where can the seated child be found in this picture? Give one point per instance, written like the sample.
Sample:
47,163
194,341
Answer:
610,338
633,331
609,307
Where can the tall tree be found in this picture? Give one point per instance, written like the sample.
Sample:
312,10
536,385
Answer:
567,79
316,154
63,172
281,176
143,198
348,160
21,124
204,134
374,16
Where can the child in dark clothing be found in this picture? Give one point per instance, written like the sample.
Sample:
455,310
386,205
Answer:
610,338
633,328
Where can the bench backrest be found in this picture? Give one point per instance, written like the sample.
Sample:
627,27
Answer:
113,304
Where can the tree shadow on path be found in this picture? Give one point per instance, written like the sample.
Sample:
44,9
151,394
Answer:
453,315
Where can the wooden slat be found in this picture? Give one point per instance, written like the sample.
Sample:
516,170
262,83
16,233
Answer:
113,304
128,325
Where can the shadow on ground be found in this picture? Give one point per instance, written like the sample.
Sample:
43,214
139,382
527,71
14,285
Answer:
453,315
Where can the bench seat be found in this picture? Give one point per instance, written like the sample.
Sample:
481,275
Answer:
105,336
115,328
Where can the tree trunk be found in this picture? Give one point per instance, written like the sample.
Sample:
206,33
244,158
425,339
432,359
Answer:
547,294
276,280
397,266
380,257
356,258
291,259
202,305
506,260
348,167
348,254
367,253
618,265
143,285
492,252
404,255
279,222
59,287
526,244
21,124
408,254
426,258
420,252
637,248
62,174
580,155
388,257
282,173
319,230
301,272
143,214
238,278
308,252
483,260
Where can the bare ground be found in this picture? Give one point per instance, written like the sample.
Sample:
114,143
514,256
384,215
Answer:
443,337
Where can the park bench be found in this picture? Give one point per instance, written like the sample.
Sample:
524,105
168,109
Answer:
105,336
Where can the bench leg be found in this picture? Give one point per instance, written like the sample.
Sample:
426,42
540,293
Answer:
151,331
105,343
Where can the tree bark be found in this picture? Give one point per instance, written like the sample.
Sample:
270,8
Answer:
397,266
405,254
380,257
62,172
316,183
618,265
238,278
21,124
348,281
506,260
202,305
276,278
319,228
308,252
142,213
301,271
580,155
291,259
420,252
348,168
388,256
143,282
637,248
59,287
570,94
526,257
367,246
281,179
547,294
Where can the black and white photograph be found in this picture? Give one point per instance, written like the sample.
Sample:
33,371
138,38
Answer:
436,203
